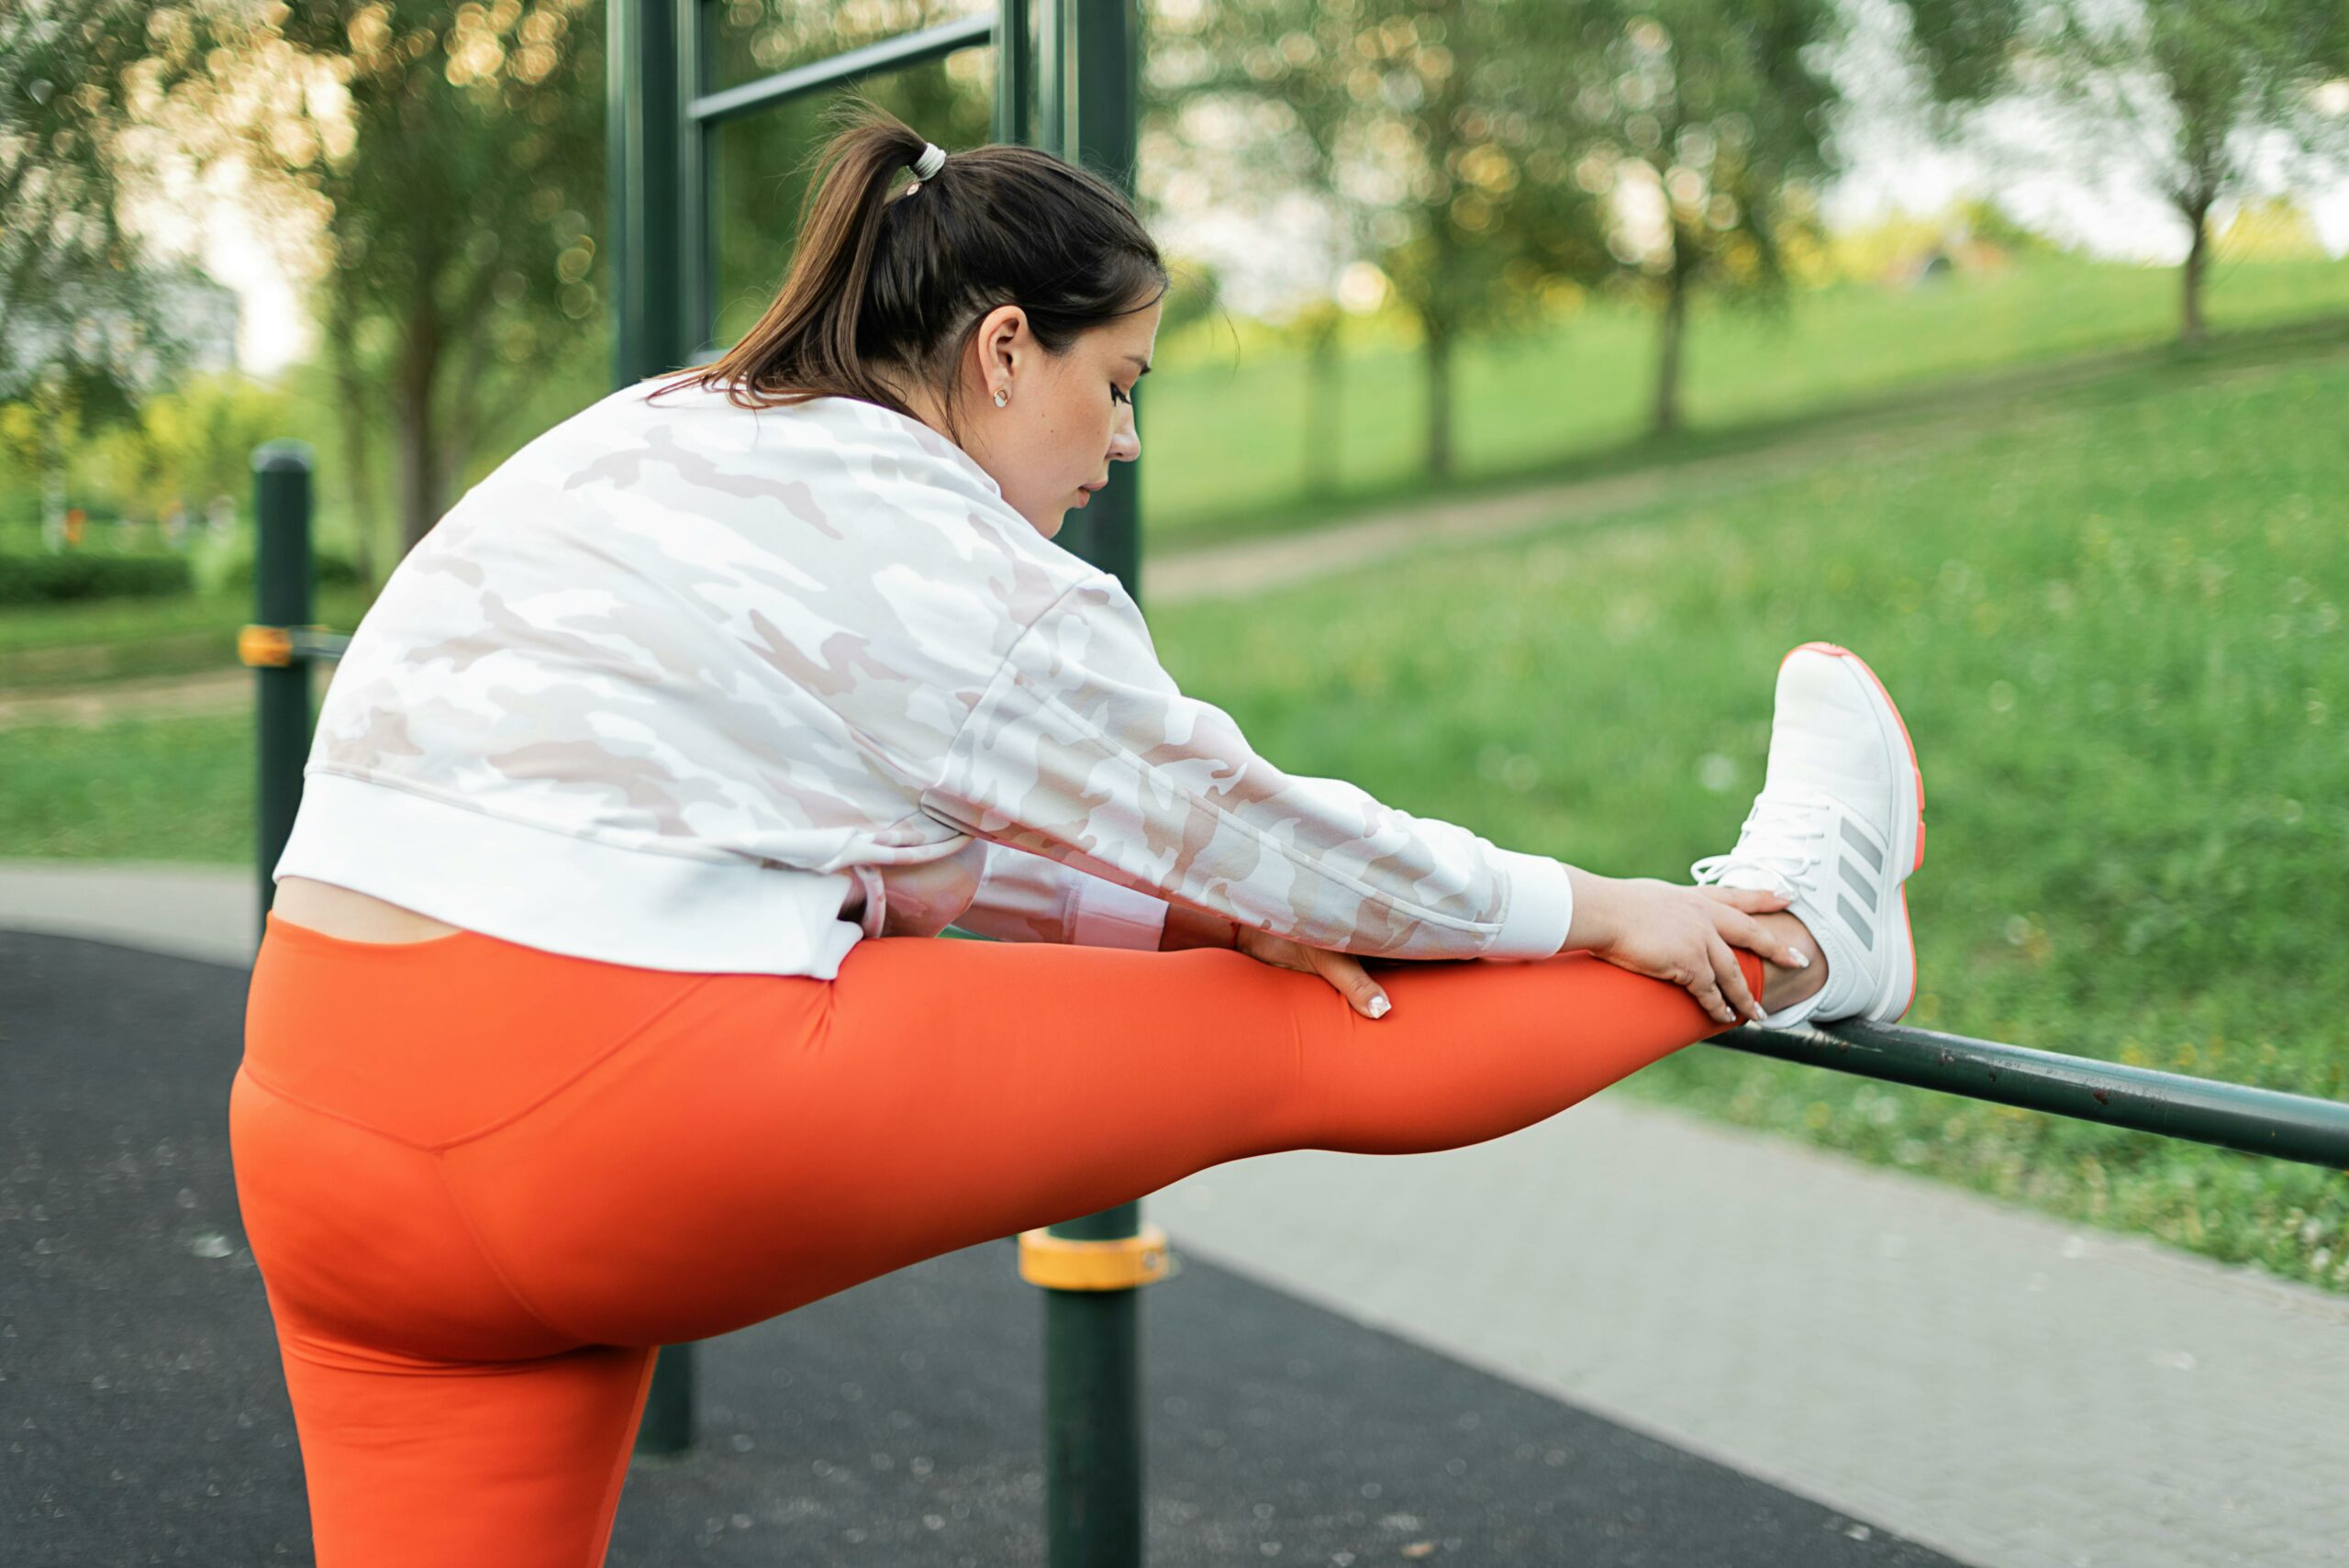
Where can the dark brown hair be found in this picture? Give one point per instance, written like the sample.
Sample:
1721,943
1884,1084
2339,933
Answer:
900,282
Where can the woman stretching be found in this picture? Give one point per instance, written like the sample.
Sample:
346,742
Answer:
599,1007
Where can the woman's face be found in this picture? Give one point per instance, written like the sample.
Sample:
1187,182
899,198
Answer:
1065,418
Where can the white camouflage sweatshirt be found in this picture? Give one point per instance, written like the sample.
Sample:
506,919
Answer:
691,686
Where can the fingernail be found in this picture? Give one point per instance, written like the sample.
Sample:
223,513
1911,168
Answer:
1803,961
1378,1006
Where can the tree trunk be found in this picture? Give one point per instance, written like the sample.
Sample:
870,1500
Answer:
2190,330
416,430
1439,366
359,471
1324,407
1671,331
419,462
53,481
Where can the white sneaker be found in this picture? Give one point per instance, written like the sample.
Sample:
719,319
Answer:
1838,826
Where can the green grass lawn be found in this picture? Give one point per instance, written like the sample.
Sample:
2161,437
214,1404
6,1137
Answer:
2115,628
1225,420
67,644
175,789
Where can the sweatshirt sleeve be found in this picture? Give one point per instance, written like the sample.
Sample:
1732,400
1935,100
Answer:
1082,750
993,890
1025,897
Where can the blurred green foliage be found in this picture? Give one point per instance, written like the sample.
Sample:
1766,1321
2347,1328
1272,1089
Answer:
90,574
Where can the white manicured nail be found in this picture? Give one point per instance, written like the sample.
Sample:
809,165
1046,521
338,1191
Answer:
1803,961
1378,1006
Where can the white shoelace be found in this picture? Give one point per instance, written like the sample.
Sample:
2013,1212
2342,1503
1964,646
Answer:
1785,834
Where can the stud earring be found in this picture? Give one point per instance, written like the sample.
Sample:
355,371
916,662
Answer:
1001,396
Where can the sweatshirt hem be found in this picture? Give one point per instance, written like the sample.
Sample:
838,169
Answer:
1111,915
552,889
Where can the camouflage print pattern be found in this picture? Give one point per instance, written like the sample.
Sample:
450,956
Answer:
816,637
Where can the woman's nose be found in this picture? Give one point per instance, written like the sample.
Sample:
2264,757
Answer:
1125,445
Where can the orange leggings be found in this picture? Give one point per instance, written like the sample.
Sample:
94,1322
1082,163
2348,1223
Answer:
483,1182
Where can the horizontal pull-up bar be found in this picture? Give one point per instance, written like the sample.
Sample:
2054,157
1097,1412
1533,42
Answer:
2232,1116
890,54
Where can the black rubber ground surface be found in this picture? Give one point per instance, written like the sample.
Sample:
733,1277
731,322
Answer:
143,1415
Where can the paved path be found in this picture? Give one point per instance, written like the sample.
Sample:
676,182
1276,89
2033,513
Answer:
2011,1390
1229,570
2008,1389
88,706
188,911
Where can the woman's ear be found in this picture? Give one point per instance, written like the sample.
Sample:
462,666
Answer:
1002,342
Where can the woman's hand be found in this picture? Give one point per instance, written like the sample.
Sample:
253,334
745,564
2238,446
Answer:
1681,934
1340,970
1189,928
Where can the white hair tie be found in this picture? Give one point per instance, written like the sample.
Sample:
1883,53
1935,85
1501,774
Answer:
933,158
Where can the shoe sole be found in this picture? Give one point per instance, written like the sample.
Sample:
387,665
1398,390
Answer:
1905,985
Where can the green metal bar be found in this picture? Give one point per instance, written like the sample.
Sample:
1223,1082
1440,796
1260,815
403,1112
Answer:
1015,72
2232,1116
1053,36
890,54
651,335
1092,1419
1093,1425
1106,77
1100,129
281,578
696,236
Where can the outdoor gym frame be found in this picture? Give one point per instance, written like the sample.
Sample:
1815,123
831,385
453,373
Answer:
1067,81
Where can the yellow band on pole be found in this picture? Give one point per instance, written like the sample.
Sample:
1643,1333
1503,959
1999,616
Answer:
265,645
1120,1264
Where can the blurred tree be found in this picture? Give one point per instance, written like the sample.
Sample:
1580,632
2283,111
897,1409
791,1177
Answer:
2204,95
1706,126
1426,122
1702,126
452,162
1198,54
1193,292
191,443
83,330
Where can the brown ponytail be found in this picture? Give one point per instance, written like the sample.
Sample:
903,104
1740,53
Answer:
883,282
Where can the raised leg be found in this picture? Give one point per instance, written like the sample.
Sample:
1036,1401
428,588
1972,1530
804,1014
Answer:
749,1154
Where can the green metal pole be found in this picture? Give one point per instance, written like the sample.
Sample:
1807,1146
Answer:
1093,1429
1099,129
644,146
1015,72
281,579
1093,1482
646,124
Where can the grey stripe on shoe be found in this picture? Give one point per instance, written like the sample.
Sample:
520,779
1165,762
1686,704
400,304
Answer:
1859,841
1859,879
1857,921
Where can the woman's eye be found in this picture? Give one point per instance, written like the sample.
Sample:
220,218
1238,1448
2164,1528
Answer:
1118,393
